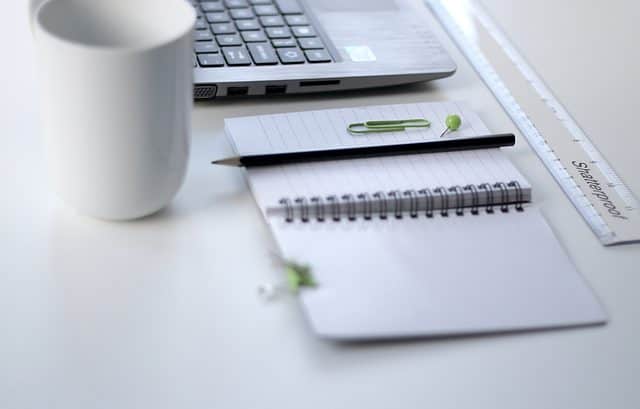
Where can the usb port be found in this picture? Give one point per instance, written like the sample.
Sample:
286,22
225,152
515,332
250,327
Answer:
237,91
275,89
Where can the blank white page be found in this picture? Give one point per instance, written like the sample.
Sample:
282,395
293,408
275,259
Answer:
437,276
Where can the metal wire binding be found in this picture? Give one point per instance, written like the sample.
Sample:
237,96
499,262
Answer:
366,204
334,204
444,201
413,202
397,203
318,203
459,199
504,196
304,208
351,206
489,189
475,199
519,195
382,204
288,209
428,203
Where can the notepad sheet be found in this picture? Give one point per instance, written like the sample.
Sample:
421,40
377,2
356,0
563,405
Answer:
437,276
328,128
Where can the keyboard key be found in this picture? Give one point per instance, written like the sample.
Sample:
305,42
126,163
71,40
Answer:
253,36
201,25
236,4
229,40
246,25
223,28
259,2
217,18
272,21
236,56
262,54
310,43
195,61
202,35
284,42
297,20
291,55
278,32
210,60
208,6
206,47
318,56
238,14
303,31
267,10
288,6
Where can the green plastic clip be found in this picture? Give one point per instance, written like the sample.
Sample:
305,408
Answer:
387,126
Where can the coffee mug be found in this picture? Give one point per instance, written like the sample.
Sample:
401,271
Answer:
116,86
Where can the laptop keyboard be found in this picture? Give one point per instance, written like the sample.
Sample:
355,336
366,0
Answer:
255,32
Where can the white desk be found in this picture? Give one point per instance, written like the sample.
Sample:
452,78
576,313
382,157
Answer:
163,313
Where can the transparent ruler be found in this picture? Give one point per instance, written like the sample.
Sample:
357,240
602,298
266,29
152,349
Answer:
591,184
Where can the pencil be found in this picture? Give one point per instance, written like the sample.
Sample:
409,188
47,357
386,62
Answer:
438,145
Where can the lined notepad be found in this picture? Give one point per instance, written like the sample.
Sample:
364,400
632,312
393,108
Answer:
327,129
411,245
323,129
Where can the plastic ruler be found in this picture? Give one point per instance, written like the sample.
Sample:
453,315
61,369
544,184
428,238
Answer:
594,188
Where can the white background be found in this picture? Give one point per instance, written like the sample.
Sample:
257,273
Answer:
163,313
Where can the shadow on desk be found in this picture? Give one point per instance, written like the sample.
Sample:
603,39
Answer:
336,356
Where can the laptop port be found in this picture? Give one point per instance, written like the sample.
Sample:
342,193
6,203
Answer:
205,91
275,89
237,91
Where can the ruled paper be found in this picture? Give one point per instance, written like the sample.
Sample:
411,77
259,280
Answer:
327,129
322,129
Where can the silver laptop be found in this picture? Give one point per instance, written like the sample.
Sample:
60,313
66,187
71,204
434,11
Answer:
266,47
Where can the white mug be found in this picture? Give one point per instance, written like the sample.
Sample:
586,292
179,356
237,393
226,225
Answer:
33,6
116,91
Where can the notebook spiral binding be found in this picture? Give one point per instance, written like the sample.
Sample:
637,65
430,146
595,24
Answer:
383,205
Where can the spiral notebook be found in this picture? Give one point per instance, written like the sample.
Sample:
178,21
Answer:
413,245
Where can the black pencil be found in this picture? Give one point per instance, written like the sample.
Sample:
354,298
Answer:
439,145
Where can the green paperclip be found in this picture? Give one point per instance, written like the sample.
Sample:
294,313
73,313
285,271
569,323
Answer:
387,126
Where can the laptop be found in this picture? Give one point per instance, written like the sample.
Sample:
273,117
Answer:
267,47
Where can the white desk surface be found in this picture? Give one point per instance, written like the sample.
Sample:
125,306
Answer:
163,312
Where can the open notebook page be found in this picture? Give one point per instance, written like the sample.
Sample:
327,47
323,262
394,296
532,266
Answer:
437,276
322,129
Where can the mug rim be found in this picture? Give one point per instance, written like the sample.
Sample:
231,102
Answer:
160,42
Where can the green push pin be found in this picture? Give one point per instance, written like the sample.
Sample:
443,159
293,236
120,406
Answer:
453,123
298,275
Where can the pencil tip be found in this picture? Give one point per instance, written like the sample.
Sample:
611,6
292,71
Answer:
227,162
